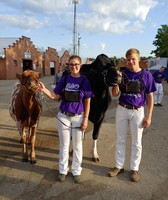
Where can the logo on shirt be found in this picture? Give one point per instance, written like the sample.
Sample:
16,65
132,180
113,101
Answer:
72,86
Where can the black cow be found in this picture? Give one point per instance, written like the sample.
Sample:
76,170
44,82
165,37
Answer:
102,74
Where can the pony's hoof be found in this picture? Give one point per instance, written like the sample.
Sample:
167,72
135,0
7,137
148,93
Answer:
25,160
21,141
96,159
33,162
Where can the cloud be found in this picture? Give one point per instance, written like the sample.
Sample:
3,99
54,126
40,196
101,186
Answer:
123,9
42,6
49,7
24,22
117,17
103,45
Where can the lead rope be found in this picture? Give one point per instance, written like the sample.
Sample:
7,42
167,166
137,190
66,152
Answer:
43,98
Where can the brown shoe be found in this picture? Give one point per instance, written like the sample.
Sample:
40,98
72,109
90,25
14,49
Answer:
115,171
77,179
61,177
134,176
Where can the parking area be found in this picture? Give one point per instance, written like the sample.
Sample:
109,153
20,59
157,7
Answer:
39,182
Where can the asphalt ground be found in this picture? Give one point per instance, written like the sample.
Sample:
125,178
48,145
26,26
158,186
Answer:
23,181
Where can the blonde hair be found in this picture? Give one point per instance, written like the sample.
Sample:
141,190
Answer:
132,51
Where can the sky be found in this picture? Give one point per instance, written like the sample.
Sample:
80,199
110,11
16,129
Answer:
103,26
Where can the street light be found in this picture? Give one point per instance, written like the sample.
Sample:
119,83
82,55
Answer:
74,26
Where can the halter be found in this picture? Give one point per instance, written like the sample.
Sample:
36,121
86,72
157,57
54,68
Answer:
104,73
30,92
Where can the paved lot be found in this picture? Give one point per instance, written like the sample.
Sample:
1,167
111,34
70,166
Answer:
25,181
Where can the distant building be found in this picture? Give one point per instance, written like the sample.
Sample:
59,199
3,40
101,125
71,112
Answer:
19,54
64,59
158,61
50,61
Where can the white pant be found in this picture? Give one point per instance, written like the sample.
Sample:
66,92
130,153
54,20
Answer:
158,94
67,128
132,118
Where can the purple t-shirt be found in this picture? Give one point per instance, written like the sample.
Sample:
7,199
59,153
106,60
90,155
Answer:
158,76
73,84
148,86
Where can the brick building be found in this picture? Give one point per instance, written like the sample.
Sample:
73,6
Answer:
64,59
50,61
19,54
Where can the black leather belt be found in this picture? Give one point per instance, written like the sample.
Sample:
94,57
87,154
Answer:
70,114
129,106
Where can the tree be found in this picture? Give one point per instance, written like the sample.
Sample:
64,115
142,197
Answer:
115,59
161,42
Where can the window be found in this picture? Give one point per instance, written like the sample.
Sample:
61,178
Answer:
15,63
27,54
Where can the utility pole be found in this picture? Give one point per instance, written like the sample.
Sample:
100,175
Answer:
74,27
79,38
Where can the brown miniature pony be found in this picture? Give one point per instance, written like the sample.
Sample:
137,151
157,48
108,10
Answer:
25,108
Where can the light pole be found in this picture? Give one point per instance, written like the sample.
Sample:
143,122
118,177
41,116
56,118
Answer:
74,27
79,37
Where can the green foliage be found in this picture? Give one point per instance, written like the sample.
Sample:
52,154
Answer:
146,58
161,42
91,59
115,59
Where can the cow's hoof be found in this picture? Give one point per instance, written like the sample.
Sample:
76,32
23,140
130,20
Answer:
33,162
96,159
71,153
25,160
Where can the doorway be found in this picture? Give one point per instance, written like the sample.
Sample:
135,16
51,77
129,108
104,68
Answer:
52,68
27,64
